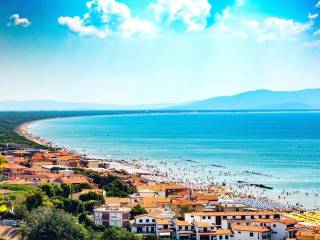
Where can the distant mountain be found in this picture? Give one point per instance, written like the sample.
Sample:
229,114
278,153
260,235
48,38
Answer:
259,100
253,100
63,106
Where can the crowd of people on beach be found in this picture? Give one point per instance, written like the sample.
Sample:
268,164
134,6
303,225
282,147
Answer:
201,176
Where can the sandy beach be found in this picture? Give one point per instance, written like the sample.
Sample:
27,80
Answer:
253,195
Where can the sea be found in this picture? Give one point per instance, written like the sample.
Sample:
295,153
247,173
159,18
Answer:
280,150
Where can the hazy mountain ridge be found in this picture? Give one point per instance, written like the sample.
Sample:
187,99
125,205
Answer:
259,100
253,100
39,105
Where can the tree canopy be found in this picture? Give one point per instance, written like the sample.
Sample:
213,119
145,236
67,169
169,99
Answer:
51,224
137,210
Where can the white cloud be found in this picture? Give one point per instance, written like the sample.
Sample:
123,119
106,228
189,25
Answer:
269,29
313,44
76,25
316,33
318,4
313,16
135,26
193,13
240,3
15,20
274,28
106,17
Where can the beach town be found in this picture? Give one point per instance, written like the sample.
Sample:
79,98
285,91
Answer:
171,209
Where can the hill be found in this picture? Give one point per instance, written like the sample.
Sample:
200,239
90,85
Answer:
259,100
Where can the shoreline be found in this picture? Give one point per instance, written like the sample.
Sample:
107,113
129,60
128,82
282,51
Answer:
154,173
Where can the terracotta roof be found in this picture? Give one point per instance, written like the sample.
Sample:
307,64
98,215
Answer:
162,222
37,157
155,200
234,213
308,234
19,159
250,228
182,223
36,169
116,200
13,166
150,214
207,197
53,176
265,220
287,221
72,179
223,232
162,187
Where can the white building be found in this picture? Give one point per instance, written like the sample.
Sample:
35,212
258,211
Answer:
242,232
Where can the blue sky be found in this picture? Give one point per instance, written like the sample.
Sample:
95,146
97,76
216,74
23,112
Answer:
156,51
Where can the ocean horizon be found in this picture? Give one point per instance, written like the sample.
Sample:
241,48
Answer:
277,149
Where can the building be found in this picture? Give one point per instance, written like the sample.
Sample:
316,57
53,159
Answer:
158,223
226,220
163,190
112,215
242,232
184,230
280,228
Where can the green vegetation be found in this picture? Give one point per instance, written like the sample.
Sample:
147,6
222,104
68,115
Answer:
45,223
42,209
137,210
16,187
113,185
114,233
91,196
2,161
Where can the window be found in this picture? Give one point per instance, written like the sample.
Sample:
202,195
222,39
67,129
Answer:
203,217
140,220
224,217
226,237
209,217
220,237
251,234
147,220
153,220
274,225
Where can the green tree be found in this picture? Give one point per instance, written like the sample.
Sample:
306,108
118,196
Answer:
66,190
36,198
73,206
19,206
89,205
183,210
48,224
137,210
48,189
90,196
2,161
85,220
115,233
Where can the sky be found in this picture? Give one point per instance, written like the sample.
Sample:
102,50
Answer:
156,51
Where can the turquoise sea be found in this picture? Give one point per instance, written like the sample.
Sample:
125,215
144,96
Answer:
278,149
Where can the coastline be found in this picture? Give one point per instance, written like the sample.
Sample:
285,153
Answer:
154,173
